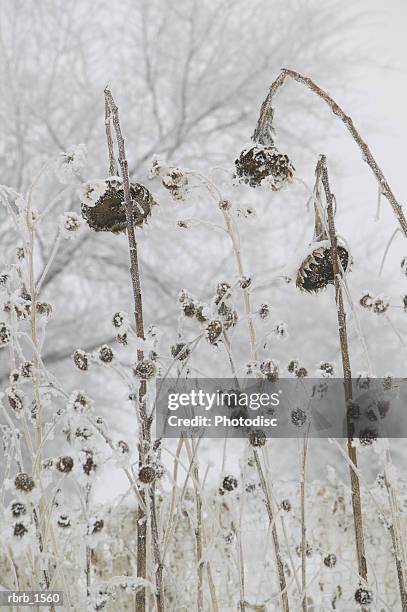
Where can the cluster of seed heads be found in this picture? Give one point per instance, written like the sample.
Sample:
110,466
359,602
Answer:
260,165
81,360
213,331
106,354
180,351
298,370
229,484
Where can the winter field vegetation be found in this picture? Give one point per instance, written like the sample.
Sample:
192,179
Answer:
184,235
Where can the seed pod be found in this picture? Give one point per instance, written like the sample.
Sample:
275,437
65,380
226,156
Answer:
259,163
24,482
81,360
316,271
180,351
145,369
64,464
147,474
108,213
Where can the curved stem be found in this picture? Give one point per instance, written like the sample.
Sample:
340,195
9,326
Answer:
261,133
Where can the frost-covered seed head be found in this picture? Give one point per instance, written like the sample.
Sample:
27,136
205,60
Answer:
106,354
81,360
16,399
5,334
44,308
229,483
259,163
301,372
27,369
298,417
24,482
293,366
97,526
147,474
145,369
245,282
257,438
381,304
353,410
63,521
330,560
20,530
4,277
286,505
123,447
122,339
213,331
120,319
225,205
18,509
70,224
107,213
79,401
327,369
200,315
180,351
366,301
269,369
308,550
264,311
316,271
64,464
89,464
363,597
222,292
14,376
20,253
368,436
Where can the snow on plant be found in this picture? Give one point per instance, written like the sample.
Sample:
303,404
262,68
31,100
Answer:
178,539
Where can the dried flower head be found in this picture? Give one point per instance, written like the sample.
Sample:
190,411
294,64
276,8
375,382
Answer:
63,521
330,560
19,530
64,464
366,301
27,369
70,162
326,369
298,417
104,211
106,354
260,165
81,360
44,309
88,463
16,399
229,483
286,505
123,447
368,436
176,182
180,351
381,304
145,369
5,334
264,311
213,331
120,320
18,509
245,282
363,597
257,438
79,402
122,339
147,474
70,224
316,271
269,369
24,482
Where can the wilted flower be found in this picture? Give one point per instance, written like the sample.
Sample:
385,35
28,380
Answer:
266,166
104,210
316,271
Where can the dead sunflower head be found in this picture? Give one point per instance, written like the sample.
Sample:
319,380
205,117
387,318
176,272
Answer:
316,271
103,205
261,165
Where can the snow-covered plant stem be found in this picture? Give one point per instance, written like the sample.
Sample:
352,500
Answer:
263,128
144,419
322,174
